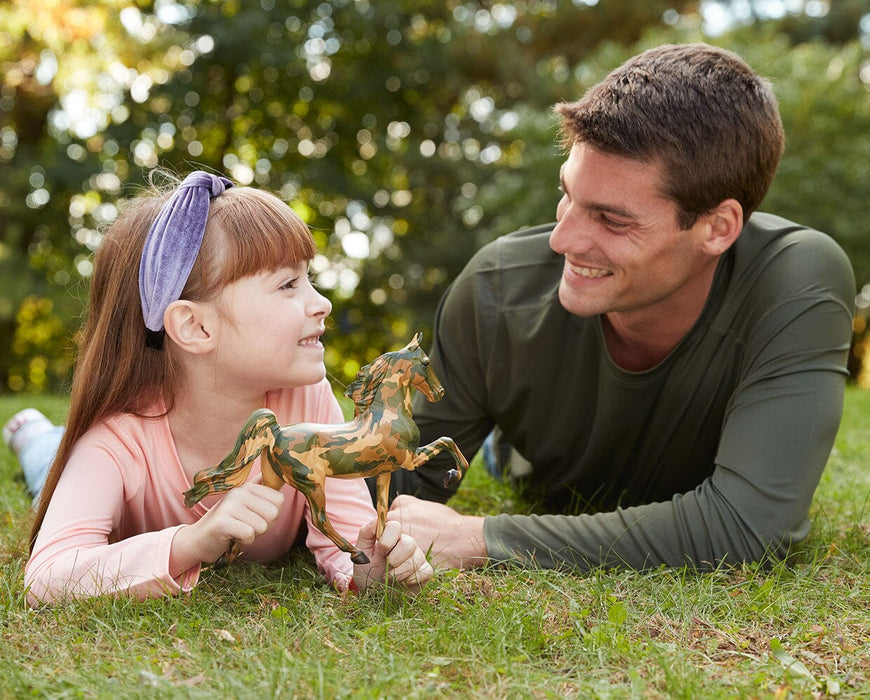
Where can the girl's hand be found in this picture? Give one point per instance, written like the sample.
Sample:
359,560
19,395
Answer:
242,515
453,540
394,555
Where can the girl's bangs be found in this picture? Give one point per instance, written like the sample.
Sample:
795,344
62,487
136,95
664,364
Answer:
257,232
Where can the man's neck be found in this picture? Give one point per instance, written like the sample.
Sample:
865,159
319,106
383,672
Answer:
634,352
639,340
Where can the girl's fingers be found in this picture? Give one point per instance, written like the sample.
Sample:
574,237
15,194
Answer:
242,533
403,550
390,537
413,571
261,492
260,500
404,560
365,539
408,563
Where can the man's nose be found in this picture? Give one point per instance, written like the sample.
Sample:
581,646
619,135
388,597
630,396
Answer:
571,234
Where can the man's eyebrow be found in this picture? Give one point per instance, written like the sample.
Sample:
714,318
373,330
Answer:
611,209
600,206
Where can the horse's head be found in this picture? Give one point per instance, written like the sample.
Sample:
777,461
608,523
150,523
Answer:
389,374
420,374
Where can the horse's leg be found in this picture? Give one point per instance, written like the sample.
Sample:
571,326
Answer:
270,478
238,478
316,497
233,469
274,472
426,452
206,483
383,483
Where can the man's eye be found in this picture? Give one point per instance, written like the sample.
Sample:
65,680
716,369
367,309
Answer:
613,223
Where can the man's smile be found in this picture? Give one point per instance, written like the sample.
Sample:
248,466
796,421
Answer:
588,272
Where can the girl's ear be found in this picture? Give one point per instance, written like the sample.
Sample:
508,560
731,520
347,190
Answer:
725,223
191,325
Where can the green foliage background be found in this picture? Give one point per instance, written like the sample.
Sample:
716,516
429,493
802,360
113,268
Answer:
407,133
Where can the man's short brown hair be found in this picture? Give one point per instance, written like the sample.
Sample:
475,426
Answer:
700,111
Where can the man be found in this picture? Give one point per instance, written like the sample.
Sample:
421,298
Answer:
670,364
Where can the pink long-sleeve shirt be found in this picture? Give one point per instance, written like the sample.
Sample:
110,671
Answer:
119,503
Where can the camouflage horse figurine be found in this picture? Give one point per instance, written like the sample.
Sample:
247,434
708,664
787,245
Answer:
381,438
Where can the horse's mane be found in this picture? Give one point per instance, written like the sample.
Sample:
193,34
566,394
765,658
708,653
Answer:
362,390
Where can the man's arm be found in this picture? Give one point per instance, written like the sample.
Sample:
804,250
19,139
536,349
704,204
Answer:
776,438
733,516
740,513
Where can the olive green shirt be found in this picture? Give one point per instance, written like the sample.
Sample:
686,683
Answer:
711,456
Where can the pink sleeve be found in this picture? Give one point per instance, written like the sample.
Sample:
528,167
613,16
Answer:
73,557
348,505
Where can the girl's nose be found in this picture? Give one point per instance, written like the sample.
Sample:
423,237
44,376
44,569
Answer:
319,305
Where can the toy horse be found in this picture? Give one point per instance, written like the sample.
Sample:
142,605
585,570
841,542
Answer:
381,438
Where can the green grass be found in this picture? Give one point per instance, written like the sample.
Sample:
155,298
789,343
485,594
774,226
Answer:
279,631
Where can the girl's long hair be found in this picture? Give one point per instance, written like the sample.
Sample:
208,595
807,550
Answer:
248,231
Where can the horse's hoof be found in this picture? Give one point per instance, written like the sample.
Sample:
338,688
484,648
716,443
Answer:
228,557
451,478
359,558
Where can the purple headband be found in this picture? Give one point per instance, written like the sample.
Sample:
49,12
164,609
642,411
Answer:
171,247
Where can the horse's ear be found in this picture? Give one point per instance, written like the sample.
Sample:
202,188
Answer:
416,340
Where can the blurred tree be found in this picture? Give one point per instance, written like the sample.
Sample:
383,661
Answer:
37,255
59,58
407,133
824,178
831,21
379,122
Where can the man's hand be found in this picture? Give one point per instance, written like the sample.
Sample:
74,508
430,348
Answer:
452,540
395,555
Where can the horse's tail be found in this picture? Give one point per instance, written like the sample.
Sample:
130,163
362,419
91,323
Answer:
255,436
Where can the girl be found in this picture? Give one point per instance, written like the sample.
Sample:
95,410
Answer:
201,311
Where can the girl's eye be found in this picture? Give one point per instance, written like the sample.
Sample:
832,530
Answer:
290,284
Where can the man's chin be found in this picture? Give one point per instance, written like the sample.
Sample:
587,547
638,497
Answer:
578,307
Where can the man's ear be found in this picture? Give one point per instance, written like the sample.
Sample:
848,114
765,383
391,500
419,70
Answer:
724,224
191,325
